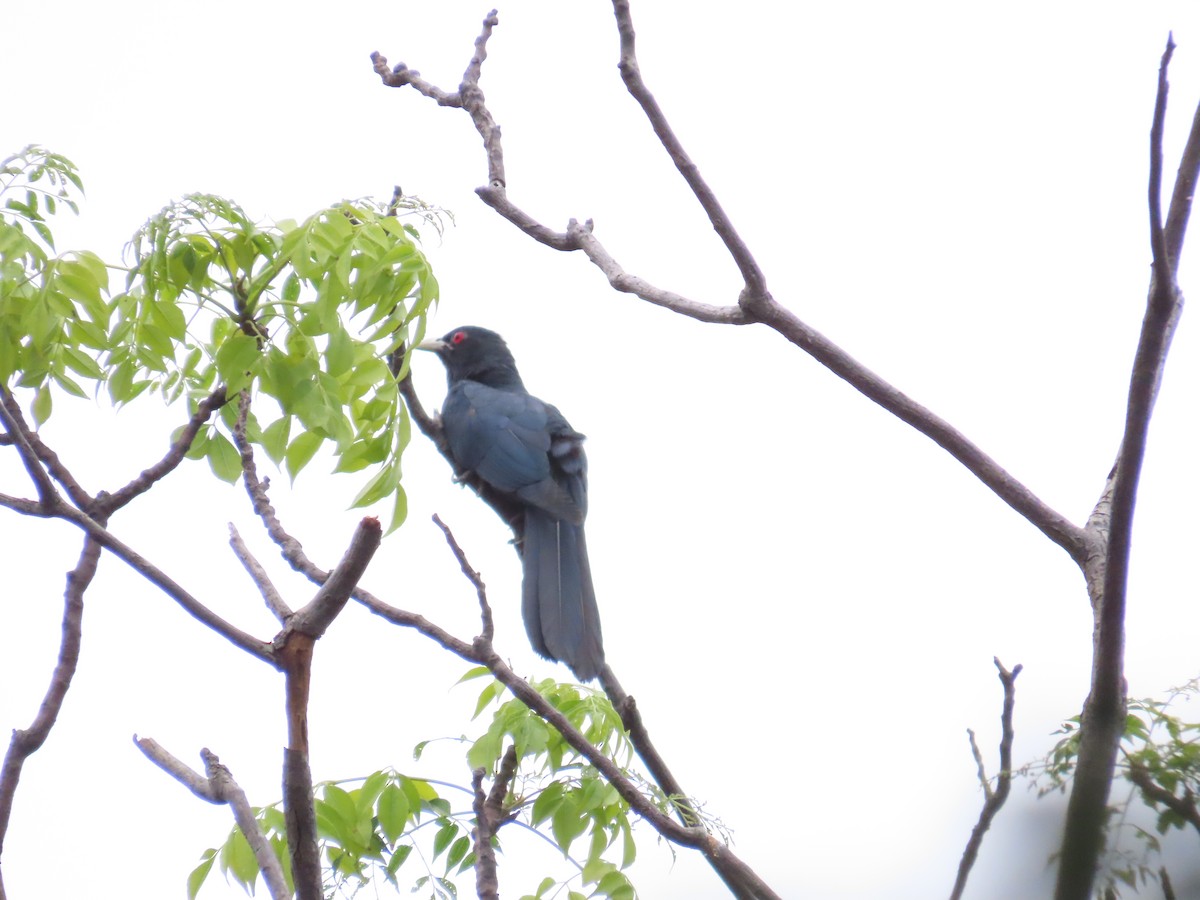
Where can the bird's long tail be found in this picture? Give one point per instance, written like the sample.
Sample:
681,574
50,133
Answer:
558,601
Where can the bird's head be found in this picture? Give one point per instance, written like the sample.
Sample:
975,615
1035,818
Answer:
477,354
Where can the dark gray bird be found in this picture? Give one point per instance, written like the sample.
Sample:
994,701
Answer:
525,450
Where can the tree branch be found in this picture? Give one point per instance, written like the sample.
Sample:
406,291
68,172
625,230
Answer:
490,814
755,303
755,291
1184,807
316,616
259,576
993,799
174,456
1103,718
218,786
252,645
488,629
25,742
14,424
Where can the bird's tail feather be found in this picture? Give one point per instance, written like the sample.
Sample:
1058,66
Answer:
558,600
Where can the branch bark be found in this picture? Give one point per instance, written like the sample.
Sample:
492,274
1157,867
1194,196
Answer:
755,303
993,799
218,786
1103,720
27,741
1100,548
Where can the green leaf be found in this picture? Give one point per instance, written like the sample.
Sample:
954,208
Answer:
486,696
198,874
393,810
300,451
274,438
547,802
458,850
444,836
399,510
381,484
473,673
235,359
223,458
567,824
42,405
238,859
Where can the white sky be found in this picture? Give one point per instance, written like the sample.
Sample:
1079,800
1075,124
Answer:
804,595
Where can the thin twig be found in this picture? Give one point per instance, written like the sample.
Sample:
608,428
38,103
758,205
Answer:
993,798
14,424
218,786
755,303
174,456
755,291
485,610
259,576
149,571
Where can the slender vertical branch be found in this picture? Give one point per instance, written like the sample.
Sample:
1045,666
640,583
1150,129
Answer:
1103,719
995,798
27,741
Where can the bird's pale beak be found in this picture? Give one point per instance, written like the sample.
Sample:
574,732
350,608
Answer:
433,346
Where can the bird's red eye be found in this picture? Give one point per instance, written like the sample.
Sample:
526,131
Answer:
458,337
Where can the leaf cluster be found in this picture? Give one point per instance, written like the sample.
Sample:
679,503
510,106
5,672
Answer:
316,316
374,829
1160,761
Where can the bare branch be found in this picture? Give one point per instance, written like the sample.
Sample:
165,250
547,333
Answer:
755,303
313,618
485,610
994,799
25,506
256,489
1103,719
1163,270
639,736
14,424
25,742
258,574
167,585
179,770
218,786
755,291
174,456
584,239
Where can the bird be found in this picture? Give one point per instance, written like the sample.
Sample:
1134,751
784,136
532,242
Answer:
526,451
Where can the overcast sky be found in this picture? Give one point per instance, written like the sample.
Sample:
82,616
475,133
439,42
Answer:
804,595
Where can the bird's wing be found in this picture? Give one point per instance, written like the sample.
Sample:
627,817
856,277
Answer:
514,442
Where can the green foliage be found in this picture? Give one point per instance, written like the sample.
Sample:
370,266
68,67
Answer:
1160,752
54,319
309,316
374,829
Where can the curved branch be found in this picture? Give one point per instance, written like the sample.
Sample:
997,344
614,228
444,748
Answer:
23,437
174,456
218,786
27,741
252,645
993,799
756,283
755,303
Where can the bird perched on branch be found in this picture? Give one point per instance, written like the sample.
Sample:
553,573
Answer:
525,450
